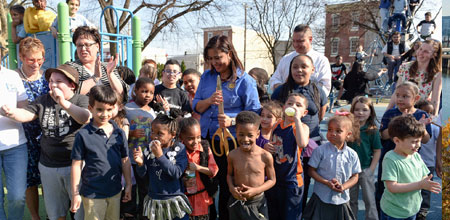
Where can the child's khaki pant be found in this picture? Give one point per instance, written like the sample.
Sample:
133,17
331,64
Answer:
102,209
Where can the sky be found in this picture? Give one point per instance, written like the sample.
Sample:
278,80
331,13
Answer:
188,36
446,10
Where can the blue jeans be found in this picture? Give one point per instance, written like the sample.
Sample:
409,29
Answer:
14,162
387,217
400,16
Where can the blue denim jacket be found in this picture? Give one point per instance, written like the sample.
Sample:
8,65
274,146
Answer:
242,95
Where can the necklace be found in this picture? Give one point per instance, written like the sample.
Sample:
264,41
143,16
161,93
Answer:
26,78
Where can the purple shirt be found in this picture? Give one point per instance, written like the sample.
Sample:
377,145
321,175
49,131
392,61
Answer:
261,141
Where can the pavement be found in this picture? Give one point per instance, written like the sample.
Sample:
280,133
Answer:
435,212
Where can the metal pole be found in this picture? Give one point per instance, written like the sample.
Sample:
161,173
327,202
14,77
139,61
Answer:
137,44
11,47
245,35
64,38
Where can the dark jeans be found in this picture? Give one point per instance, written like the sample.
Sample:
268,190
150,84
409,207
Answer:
224,193
284,203
142,189
379,187
129,207
400,16
306,181
393,66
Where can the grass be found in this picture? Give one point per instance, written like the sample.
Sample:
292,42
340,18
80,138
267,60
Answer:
27,216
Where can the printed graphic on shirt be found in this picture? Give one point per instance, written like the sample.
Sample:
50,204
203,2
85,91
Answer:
50,119
137,123
280,157
171,155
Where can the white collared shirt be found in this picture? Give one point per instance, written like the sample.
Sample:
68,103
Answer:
321,75
11,92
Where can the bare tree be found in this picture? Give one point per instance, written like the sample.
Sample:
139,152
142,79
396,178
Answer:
371,22
158,14
272,18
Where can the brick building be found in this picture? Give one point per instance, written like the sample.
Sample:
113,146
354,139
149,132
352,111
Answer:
344,33
256,53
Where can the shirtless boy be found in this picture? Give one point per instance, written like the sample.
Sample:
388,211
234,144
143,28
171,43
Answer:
248,165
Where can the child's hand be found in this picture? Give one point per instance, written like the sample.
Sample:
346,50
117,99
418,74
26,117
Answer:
192,166
248,192
137,133
270,148
76,202
138,156
163,101
424,120
6,111
335,185
236,193
127,195
430,185
299,112
216,98
155,146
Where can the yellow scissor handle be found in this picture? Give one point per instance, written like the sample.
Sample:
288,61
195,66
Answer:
223,134
218,133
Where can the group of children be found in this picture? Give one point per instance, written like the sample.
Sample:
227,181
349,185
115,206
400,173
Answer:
26,22
265,174
147,158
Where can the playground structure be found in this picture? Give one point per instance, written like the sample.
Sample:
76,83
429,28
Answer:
61,49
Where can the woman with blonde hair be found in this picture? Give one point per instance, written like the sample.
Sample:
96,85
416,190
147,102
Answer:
32,53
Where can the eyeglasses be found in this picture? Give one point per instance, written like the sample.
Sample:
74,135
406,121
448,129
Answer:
172,72
32,61
86,45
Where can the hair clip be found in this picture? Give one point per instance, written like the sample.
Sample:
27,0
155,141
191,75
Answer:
338,113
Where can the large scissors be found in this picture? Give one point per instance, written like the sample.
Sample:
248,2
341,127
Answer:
222,133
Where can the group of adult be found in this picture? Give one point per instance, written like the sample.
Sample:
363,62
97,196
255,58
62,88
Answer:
22,179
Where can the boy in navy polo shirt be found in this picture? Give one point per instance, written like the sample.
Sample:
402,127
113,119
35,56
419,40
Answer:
102,145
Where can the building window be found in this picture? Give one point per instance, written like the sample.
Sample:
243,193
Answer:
355,18
210,35
354,43
225,33
335,21
334,46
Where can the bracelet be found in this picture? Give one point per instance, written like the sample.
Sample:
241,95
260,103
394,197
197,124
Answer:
94,78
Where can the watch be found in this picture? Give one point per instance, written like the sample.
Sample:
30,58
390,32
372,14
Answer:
233,121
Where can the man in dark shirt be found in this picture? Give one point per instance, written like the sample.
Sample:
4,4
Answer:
338,70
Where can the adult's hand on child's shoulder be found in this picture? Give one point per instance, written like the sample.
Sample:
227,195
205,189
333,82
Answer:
427,184
76,202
